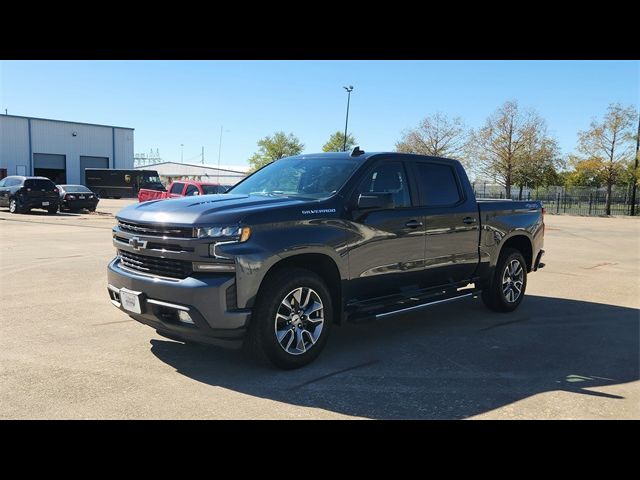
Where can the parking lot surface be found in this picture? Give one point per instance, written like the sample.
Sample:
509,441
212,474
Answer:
570,351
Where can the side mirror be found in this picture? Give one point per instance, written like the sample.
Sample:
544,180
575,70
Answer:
382,201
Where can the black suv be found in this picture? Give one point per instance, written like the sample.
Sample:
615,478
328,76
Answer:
21,194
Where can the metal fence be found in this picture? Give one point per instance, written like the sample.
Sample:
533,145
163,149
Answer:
593,203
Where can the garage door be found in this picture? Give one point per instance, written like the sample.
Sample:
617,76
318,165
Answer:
50,165
49,161
92,162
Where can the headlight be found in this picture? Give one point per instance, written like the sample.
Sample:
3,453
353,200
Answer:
237,234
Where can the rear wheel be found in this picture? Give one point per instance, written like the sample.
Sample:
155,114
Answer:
508,284
292,319
52,210
92,209
16,206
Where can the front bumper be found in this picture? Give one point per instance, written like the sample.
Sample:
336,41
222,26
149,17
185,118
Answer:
204,297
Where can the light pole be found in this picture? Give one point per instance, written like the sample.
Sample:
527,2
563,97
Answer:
182,153
635,173
349,89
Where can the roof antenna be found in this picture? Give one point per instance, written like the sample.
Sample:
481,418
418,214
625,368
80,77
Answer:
356,152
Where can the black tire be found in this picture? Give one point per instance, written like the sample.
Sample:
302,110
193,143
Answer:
16,206
262,342
92,209
52,210
493,295
117,198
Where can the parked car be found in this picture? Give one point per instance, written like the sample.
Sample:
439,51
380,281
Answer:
21,194
77,197
313,240
181,188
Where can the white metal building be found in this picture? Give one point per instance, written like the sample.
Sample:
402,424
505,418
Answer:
170,171
61,150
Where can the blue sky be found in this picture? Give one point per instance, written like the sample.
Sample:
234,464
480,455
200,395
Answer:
185,102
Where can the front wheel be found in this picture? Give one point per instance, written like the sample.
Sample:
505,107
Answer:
292,318
509,282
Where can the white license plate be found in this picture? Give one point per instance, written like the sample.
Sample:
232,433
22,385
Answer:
130,301
81,197
45,204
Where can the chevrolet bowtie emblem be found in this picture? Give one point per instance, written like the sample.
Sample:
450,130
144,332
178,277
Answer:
137,244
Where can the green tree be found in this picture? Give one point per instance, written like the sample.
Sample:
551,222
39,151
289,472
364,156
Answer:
504,143
585,173
336,142
272,148
609,145
539,161
436,135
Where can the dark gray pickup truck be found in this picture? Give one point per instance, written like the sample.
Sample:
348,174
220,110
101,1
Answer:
315,240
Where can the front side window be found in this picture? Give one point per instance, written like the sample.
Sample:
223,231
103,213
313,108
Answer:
388,177
177,188
438,185
192,190
312,178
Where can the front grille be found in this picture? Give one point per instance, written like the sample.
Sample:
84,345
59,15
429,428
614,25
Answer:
169,247
163,267
156,230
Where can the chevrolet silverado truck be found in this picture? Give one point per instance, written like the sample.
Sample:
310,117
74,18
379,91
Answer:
314,240
181,188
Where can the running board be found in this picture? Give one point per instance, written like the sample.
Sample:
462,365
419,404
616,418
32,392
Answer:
428,304
364,316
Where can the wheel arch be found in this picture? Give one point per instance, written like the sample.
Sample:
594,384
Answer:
321,264
522,243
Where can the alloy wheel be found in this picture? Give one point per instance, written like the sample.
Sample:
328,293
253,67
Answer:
299,320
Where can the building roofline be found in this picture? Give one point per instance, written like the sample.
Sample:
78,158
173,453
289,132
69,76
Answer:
67,121
200,165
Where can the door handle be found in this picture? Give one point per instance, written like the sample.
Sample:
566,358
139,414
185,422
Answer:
469,220
413,224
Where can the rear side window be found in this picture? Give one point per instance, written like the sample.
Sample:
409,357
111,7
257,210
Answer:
438,185
177,188
39,184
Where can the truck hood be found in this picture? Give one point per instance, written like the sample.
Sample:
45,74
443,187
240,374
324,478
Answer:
205,209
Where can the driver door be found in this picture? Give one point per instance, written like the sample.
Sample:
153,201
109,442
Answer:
388,255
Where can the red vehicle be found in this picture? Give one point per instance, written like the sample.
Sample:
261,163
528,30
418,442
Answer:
181,188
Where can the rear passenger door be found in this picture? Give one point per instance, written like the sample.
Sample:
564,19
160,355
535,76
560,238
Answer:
451,223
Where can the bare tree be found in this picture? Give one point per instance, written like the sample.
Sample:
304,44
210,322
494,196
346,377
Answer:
436,135
609,144
505,141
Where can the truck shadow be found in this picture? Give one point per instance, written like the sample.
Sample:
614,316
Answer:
446,362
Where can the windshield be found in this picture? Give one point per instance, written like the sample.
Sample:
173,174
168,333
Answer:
75,189
151,178
298,177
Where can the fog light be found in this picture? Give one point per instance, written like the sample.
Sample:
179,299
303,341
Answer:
185,317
